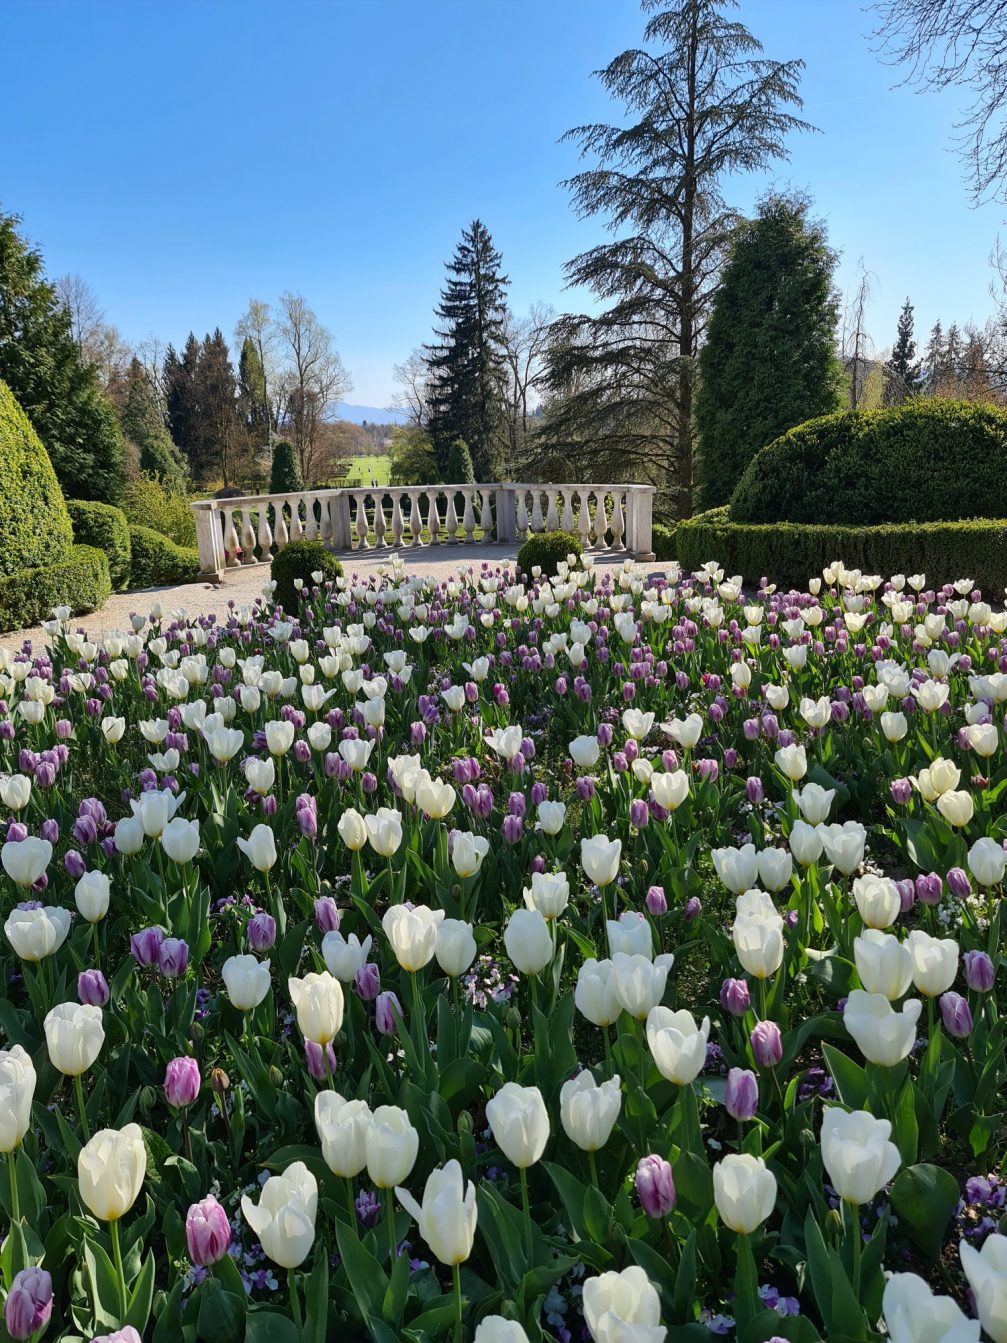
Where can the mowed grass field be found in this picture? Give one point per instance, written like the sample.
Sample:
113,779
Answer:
369,470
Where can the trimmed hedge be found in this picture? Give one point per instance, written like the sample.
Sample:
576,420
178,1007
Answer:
104,527
80,581
789,554
301,559
663,542
156,560
34,524
546,551
925,461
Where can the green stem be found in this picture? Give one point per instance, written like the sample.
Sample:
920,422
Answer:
592,1161
856,1247
526,1208
14,1202
608,1051
80,1105
97,946
351,1206
120,1276
390,1219
456,1270
295,1301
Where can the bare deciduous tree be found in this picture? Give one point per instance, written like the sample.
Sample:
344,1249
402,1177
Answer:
526,344
411,375
313,380
86,314
259,326
857,346
963,43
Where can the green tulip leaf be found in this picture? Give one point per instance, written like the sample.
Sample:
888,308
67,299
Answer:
925,1197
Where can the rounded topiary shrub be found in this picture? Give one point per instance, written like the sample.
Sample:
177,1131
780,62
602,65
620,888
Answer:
155,560
285,475
301,560
104,527
546,551
79,580
34,524
663,542
925,461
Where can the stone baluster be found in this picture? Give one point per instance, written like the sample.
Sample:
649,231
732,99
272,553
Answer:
469,520
232,543
416,522
396,520
281,533
600,520
362,526
247,537
521,519
486,517
451,519
537,520
618,520
584,519
566,522
265,534
380,521
296,526
324,520
551,518
310,522
433,518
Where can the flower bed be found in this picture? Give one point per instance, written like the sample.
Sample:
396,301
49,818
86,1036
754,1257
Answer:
481,961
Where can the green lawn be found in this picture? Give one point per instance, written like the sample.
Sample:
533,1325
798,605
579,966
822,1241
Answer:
368,470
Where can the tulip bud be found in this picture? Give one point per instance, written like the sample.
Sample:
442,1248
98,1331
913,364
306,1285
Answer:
386,1008
219,1081
92,988
907,894
767,1046
655,1186
367,982
317,1058
956,1015
693,909
181,1082
929,888
207,1232
979,971
657,901
735,997
261,932
741,1097
173,957
902,791
28,1307
959,884
326,914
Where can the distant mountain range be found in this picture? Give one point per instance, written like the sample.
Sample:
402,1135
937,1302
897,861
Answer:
370,414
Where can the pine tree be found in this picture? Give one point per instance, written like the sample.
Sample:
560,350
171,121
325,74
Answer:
769,359
702,108
142,424
42,365
465,369
902,372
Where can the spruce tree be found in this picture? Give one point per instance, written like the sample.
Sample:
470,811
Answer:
702,106
41,363
902,372
142,424
769,359
935,358
465,368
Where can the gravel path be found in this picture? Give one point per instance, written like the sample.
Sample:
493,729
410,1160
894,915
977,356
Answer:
242,586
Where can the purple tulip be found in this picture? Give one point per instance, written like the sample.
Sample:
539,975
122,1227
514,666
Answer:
735,997
657,901
959,884
979,971
384,1015
127,1334
261,931
956,1015
902,791
316,1060
741,1097
181,1082
754,790
929,888
367,982
655,1186
326,914
511,830
906,888
49,830
693,909
146,945
73,863
585,788
29,1303
173,957
92,988
207,1232
767,1046
639,813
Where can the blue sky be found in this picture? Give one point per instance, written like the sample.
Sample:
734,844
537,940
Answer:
184,156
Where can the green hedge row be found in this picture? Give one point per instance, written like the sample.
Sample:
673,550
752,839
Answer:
104,527
663,542
925,461
789,554
80,581
34,524
156,560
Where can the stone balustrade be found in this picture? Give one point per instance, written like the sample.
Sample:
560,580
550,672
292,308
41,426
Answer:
250,529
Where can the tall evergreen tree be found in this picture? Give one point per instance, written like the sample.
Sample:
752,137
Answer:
142,424
180,397
769,359
465,368
935,357
901,369
703,107
42,365
252,393
202,399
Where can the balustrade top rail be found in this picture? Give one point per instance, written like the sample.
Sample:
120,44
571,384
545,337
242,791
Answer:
249,529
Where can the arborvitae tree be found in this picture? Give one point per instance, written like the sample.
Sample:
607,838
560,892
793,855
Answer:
252,393
285,475
901,369
459,469
42,365
142,424
702,108
769,360
465,369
